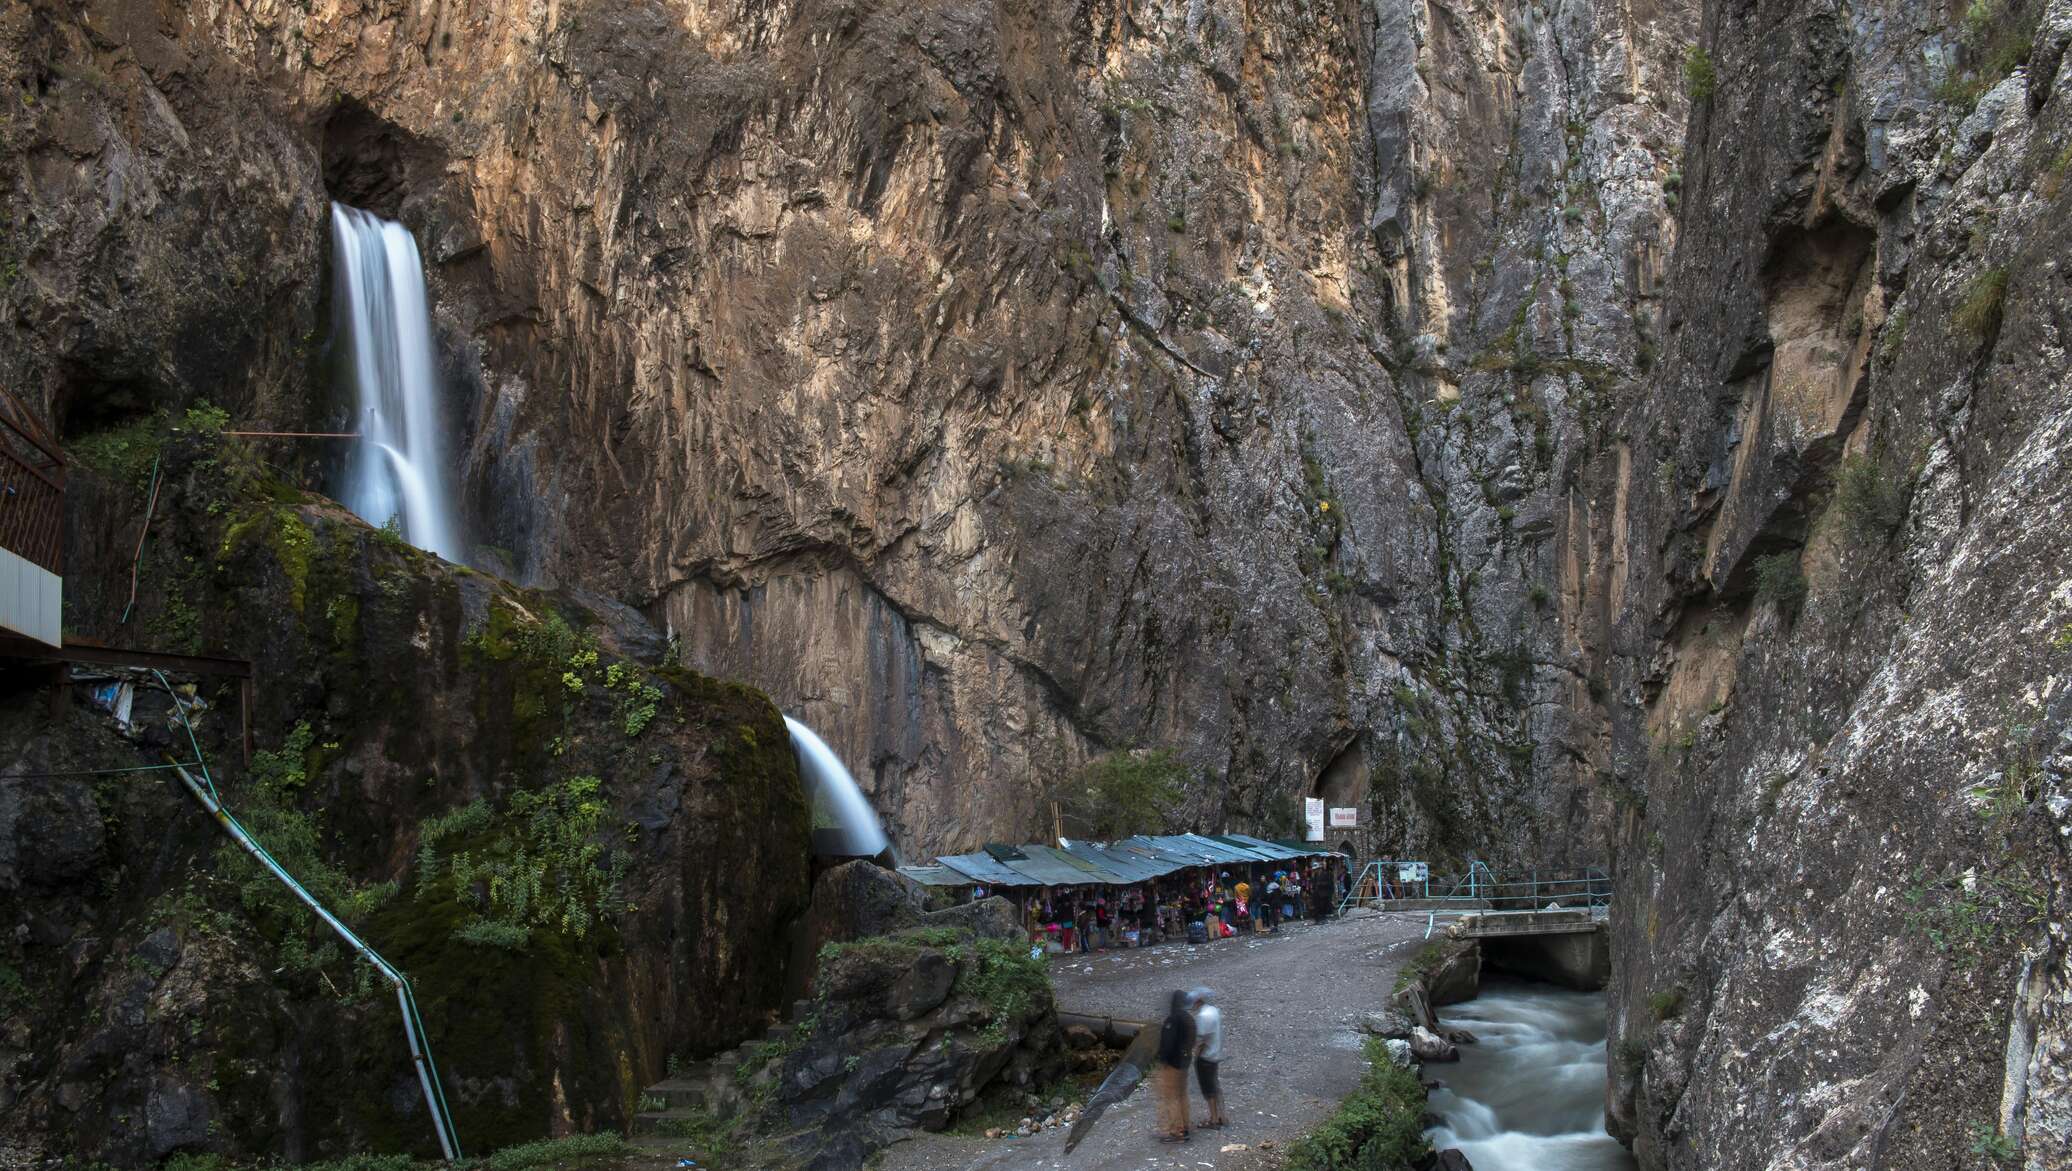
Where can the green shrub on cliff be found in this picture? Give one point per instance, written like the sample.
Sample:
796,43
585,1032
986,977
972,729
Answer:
1126,793
538,864
1379,1128
1870,501
1985,299
264,802
1700,78
1778,579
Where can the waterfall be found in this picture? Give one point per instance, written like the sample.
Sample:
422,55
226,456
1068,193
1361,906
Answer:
398,470
836,796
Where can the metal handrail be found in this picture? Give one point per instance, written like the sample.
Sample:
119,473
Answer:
1571,887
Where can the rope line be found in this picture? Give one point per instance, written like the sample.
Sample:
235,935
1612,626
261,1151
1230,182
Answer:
97,772
150,506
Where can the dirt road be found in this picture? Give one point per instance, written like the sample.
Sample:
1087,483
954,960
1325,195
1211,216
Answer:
1292,1052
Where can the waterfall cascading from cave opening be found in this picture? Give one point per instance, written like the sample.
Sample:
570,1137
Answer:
398,469
836,796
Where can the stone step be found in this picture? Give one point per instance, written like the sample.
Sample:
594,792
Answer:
801,1009
680,1092
777,1033
726,1063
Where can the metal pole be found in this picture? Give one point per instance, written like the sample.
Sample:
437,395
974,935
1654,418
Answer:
442,1123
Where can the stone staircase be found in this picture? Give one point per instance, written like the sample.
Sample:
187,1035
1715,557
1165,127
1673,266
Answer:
708,1089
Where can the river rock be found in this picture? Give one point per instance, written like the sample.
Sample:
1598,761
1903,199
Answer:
1389,1022
1451,1159
1400,1052
875,1065
1429,1046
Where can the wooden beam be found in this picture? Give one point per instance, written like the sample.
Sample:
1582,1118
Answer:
78,650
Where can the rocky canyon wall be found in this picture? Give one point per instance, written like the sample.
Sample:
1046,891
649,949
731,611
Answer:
1307,386
996,384
1841,615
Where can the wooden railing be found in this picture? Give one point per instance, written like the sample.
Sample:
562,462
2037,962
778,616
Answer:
32,488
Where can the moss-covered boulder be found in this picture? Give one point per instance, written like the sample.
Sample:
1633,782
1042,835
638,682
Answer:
905,1030
584,856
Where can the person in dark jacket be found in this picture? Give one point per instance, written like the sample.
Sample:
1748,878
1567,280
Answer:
1176,1038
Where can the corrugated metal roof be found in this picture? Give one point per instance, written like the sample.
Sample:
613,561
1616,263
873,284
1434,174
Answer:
1122,863
981,868
1306,849
1049,866
1185,849
1237,854
935,876
1121,867
1260,846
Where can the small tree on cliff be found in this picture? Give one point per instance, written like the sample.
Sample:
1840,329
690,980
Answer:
1124,793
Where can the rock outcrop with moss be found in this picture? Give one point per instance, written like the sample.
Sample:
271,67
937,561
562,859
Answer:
578,851
903,1032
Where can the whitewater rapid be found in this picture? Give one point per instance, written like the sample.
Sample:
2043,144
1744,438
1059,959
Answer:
1529,1096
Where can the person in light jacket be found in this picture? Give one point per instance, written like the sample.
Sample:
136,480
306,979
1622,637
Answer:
1208,1056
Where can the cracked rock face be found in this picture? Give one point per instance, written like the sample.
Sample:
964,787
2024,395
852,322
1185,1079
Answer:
996,385
1843,636
1494,414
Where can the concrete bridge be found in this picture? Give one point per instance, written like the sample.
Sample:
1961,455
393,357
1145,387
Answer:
1567,947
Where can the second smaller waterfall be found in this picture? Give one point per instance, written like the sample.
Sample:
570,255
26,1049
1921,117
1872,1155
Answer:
856,831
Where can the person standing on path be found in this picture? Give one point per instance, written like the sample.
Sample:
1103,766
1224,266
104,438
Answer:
1208,1056
1176,1041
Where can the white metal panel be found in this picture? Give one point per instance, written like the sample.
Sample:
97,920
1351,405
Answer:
31,600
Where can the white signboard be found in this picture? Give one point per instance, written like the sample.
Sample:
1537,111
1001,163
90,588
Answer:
1413,872
1345,818
1313,816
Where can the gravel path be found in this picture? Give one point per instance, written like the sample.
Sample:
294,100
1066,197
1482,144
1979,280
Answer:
1291,1050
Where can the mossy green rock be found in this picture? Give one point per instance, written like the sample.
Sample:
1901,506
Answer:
426,688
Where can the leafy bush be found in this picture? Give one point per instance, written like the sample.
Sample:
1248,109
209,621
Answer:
538,864
1870,502
1701,80
1379,1128
1126,793
577,1150
121,453
1778,579
265,805
1666,1004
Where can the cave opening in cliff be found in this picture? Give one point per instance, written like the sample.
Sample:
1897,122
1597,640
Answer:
373,164
90,402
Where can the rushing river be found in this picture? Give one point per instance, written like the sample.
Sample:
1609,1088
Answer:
1529,1096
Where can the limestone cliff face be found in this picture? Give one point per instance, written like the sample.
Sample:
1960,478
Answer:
996,384
1308,386
1841,611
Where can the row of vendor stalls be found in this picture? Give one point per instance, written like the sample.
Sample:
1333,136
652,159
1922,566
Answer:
1127,862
